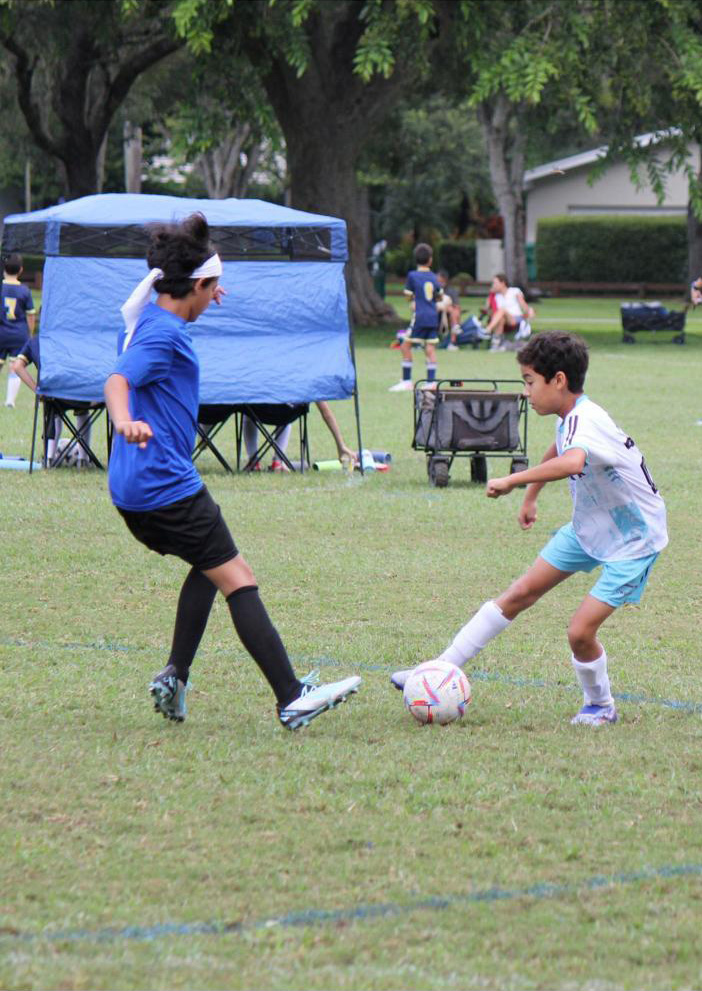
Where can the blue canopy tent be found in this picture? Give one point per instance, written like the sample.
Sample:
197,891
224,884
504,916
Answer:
282,335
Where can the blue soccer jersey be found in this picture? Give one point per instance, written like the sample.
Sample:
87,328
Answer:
17,302
426,289
163,373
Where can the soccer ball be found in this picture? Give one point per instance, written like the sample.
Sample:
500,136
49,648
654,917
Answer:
437,692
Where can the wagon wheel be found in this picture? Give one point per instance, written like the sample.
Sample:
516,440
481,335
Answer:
438,472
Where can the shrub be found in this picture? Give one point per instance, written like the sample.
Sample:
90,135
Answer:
399,260
612,249
455,256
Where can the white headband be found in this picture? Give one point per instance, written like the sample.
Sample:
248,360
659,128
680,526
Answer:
132,307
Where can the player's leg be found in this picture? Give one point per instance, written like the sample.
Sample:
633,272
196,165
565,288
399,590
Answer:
406,381
282,439
496,615
250,431
298,700
430,355
168,688
497,328
589,660
13,384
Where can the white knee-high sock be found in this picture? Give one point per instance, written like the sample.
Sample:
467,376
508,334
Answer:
13,384
282,438
594,680
81,421
250,436
476,634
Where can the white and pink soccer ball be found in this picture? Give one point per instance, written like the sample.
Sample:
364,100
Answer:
437,692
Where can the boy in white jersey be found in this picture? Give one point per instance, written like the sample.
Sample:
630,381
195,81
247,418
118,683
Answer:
619,520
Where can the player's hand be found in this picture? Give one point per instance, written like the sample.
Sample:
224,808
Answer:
219,295
527,516
346,452
497,487
135,432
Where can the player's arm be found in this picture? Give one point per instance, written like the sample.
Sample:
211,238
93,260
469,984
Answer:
524,306
551,469
342,448
117,402
19,367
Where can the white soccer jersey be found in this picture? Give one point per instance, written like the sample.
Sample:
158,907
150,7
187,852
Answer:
510,300
618,513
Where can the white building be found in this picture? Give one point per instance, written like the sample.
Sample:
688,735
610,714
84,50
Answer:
561,188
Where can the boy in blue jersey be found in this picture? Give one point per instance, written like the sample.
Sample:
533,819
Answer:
424,289
153,399
619,520
17,318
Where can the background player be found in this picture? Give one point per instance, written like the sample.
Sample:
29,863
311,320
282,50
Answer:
17,319
619,520
424,289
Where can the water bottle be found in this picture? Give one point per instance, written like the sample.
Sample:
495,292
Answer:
367,462
382,457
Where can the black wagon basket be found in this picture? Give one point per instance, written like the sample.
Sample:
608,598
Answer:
473,418
652,316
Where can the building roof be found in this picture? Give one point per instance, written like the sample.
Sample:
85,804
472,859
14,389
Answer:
584,158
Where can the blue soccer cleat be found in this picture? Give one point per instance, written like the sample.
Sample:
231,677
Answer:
595,715
315,699
169,694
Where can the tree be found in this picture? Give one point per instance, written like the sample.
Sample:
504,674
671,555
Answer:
74,63
225,125
429,160
650,67
332,71
520,57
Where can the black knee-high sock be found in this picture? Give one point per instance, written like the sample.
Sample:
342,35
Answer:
263,642
194,607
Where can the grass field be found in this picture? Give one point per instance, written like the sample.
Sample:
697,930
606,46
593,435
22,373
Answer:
509,851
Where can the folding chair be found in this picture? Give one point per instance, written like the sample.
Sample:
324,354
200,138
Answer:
210,420
270,415
53,408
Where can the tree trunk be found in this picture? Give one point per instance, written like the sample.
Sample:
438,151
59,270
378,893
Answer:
312,159
694,235
505,142
133,152
327,115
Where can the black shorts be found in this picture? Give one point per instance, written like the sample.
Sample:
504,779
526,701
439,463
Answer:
423,335
192,529
10,350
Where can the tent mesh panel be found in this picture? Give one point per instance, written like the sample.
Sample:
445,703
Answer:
130,241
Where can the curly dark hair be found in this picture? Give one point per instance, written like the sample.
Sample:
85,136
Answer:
179,249
556,351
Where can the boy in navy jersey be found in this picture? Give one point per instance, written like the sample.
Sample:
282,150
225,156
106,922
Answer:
424,289
17,317
153,400
618,523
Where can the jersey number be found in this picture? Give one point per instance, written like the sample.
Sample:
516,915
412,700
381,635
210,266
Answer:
10,304
647,475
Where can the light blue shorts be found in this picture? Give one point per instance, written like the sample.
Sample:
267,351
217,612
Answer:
620,581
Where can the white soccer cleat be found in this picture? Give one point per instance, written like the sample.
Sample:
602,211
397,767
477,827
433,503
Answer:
595,715
313,701
403,386
398,678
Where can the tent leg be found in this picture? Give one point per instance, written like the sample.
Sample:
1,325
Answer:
34,433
